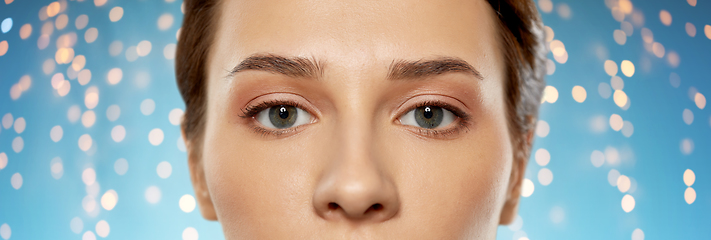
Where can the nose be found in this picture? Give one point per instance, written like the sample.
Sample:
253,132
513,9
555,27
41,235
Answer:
355,188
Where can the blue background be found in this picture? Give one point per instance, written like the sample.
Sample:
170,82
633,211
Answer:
579,203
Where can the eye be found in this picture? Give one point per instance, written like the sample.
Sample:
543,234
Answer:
428,117
283,116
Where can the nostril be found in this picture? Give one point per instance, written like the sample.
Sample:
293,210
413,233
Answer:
333,206
375,207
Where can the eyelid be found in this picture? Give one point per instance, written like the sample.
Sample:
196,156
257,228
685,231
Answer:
284,98
453,105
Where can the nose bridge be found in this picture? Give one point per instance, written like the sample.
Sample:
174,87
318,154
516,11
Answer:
354,186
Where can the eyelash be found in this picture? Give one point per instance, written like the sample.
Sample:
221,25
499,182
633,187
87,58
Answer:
252,110
463,119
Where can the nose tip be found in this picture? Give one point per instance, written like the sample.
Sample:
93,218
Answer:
364,198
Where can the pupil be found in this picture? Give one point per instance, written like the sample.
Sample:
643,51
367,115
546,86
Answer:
429,116
283,113
428,112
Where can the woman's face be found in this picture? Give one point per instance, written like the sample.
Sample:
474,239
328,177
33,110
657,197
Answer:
356,119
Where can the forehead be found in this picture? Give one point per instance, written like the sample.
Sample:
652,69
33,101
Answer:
355,33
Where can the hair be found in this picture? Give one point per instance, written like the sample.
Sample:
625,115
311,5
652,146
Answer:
520,32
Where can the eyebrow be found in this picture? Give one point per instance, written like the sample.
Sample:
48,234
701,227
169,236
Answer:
296,67
402,69
300,67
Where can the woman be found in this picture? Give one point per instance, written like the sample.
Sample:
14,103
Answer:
403,119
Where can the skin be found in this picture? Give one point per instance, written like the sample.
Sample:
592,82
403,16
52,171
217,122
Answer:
355,152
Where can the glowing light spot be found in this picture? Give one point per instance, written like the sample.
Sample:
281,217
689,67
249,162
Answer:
619,36
597,158
102,228
88,118
153,194
658,49
73,113
638,234
164,169
620,98
169,51
618,14
91,34
114,76
550,67
550,94
88,203
113,112
700,100
25,31
88,235
557,214
6,25
665,17
187,203
78,63
612,156
4,47
18,144
99,3
76,225
190,234
545,176
56,167
81,21
88,176
707,31
121,166
84,77
131,54
20,125
165,21
546,6
687,116
175,116
48,66
690,195
549,33
617,83
61,21
604,90
673,59
143,48
686,146
689,177
64,55
542,128
115,48
542,156
5,231
7,120
623,183
527,188
690,29
118,133
16,181
628,203
627,129
564,11
148,106
627,28
91,97
109,200
612,177
85,142
155,136
610,67
3,160
627,68
116,14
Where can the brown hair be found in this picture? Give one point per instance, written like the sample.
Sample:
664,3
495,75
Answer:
521,34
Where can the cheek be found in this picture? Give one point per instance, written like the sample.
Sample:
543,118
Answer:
458,185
